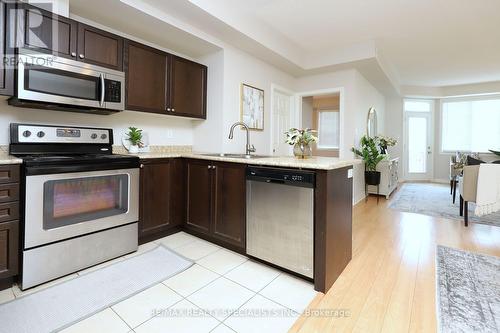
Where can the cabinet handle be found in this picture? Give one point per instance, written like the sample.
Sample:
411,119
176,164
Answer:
141,166
168,109
173,110
82,56
73,54
209,167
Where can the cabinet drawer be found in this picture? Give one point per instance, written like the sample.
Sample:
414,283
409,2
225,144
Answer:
9,192
9,211
9,173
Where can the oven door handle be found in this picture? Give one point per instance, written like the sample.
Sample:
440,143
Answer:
103,91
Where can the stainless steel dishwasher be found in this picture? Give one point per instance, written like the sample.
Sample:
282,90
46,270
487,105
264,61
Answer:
280,217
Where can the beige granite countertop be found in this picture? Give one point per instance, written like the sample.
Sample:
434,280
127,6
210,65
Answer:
316,162
5,158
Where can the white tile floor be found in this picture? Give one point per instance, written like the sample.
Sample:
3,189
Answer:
223,292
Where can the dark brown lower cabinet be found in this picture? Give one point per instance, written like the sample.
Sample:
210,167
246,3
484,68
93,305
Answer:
229,189
9,224
199,194
216,200
161,198
9,247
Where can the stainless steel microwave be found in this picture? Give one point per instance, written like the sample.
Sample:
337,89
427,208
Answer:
51,82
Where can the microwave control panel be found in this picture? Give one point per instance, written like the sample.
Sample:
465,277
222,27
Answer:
113,91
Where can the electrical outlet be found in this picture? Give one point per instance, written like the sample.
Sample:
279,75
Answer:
170,134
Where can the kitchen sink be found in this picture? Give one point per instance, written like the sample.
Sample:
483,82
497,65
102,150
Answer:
237,156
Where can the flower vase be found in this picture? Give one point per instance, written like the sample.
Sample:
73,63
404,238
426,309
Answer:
302,151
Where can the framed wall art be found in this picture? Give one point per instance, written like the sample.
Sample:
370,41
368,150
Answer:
252,107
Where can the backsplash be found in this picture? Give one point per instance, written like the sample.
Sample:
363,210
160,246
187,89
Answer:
117,149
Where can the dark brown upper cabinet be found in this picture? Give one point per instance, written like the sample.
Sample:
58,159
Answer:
145,73
188,88
6,72
216,201
161,196
99,47
46,32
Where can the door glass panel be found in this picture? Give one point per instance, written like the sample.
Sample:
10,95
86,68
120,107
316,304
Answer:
417,145
71,201
62,83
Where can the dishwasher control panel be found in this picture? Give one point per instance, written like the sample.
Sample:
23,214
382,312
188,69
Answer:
291,177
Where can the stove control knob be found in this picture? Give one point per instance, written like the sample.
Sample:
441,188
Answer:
40,134
93,136
104,136
26,134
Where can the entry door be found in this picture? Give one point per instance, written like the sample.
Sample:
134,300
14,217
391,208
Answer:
418,146
282,109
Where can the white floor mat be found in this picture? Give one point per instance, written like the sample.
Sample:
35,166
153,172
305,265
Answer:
64,304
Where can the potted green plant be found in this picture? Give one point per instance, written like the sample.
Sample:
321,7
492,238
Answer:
371,155
301,140
135,137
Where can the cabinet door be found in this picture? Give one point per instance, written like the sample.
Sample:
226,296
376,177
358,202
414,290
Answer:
188,88
49,33
155,197
99,47
230,203
199,187
6,72
145,70
9,248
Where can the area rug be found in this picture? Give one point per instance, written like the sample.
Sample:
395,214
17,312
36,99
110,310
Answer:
435,200
468,291
64,304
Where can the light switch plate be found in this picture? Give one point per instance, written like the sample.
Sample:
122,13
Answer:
349,173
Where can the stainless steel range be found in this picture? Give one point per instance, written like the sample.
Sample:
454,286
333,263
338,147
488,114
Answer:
81,202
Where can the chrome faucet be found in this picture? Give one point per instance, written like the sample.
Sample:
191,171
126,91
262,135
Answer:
249,148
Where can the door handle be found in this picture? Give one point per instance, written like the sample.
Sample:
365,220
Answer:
101,78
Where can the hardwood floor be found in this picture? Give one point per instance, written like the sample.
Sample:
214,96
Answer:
389,286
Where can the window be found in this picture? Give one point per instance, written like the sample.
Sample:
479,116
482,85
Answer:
418,106
470,125
328,129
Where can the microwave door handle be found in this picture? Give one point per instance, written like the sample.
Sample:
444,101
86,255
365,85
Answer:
101,101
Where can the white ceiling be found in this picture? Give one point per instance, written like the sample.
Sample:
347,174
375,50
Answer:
428,42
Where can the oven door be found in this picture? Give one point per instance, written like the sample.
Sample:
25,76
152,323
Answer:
62,206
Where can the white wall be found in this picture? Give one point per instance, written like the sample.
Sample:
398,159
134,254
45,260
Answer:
307,112
358,96
394,128
162,130
240,67
207,134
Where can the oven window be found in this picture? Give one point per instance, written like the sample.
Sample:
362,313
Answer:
61,83
71,201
